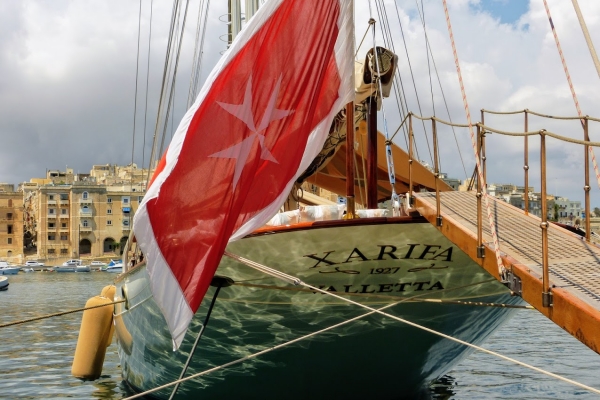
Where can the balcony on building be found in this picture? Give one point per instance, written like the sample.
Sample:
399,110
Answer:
85,211
53,202
85,228
51,215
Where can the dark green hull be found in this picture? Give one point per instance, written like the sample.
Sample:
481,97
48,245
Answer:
372,357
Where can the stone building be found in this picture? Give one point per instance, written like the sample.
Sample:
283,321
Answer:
81,219
11,224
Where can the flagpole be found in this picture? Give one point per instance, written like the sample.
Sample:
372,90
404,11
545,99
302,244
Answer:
350,200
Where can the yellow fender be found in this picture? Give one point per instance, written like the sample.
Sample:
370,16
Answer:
94,334
109,292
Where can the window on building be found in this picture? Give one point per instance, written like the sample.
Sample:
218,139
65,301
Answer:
51,211
109,200
108,222
140,198
51,225
9,229
63,251
51,237
63,225
8,215
63,237
51,251
84,195
9,241
85,223
63,211
126,222
108,211
125,200
50,197
64,196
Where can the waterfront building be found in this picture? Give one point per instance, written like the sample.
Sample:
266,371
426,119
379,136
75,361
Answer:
11,224
83,218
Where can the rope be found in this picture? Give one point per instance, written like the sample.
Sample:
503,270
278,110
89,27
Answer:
539,114
437,74
23,321
388,143
290,278
501,269
586,34
564,63
251,356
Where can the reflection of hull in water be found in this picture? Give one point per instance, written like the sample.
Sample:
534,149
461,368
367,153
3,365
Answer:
376,262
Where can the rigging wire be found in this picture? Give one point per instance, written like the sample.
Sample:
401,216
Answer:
146,100
399,91
501,269
388,146
414,83
297,281
564,63
442,91
195,66
137,73
174,67
164,82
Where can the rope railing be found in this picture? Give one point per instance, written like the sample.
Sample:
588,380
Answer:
539,114
482,130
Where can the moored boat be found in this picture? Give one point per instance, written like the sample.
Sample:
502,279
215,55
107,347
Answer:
280,339
405,267
8,269
3,283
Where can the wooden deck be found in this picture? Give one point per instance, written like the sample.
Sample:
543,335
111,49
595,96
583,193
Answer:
574,263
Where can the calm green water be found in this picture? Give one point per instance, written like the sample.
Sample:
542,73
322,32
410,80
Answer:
36,358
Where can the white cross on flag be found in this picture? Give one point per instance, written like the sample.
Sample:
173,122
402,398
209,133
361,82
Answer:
260,119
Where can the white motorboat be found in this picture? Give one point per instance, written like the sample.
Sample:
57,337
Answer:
3,283
72,266
115,266
7,269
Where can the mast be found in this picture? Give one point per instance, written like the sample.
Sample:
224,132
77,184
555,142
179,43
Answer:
235,20
372,152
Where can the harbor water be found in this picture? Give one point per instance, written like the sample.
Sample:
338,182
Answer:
36,357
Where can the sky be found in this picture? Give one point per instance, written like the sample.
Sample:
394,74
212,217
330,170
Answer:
68,81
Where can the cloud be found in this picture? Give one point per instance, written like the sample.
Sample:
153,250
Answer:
68,80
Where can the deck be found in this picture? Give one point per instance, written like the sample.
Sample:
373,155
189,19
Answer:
574,264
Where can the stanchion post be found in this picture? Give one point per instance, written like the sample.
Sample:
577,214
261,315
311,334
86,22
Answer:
438,219
526,164
546,294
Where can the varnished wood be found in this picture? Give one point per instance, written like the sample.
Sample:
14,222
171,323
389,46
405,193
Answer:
574,268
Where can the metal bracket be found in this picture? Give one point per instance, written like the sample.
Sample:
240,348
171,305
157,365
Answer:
481,252
547,299
438,221
513,282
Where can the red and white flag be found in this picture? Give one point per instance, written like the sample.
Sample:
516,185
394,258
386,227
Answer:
260,119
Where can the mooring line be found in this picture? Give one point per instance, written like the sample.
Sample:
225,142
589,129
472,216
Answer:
58,314
290,278
251,356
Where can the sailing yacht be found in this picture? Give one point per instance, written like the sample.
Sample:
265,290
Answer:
321,301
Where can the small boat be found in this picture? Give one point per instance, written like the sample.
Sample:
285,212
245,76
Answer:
72,266
27,269
7,269
98,265
3,283
114,266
